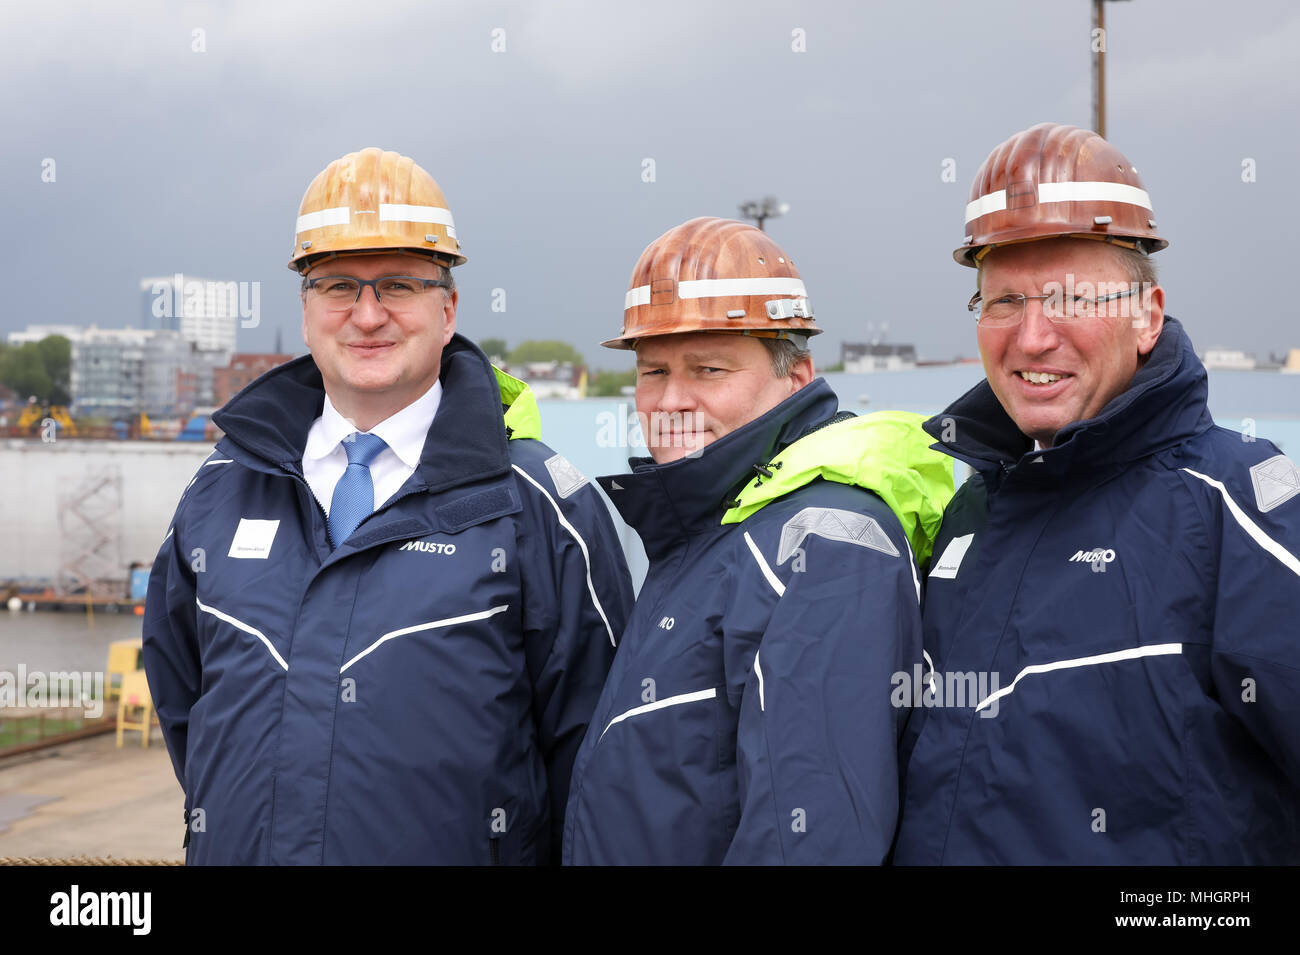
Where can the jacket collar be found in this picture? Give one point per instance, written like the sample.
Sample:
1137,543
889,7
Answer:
1164,405
884,452
664,502
270,419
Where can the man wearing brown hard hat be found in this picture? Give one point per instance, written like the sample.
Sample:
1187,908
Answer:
384,611
1123,574
747,718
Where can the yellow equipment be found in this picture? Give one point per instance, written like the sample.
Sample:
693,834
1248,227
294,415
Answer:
123,658
135,693
33,414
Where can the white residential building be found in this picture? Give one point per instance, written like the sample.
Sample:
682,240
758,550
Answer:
34,333
204,311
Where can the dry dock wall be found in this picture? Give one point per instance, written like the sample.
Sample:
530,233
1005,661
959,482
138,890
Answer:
39,482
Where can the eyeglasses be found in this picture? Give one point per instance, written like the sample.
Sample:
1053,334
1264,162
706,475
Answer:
337,292
1008,308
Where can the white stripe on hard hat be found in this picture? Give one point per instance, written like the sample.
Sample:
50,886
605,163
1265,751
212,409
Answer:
992,202
1093,192
395,212
1064,192
721,288
717,288
339,215
637,296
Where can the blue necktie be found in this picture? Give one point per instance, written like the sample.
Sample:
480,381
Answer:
354,495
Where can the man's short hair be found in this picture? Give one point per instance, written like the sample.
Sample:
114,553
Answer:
444,275
1139,266
786,353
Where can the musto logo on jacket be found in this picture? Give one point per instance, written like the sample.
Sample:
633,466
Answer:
430,547
414,695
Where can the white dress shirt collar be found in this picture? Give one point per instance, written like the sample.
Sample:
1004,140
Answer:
403,432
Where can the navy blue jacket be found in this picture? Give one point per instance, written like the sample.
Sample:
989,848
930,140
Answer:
416,695
1135,590
738,723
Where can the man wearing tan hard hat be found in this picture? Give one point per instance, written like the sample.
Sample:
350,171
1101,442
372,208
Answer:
380,621
747,715
1121,574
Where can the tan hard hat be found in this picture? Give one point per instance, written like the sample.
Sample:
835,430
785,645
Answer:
1051,181
373,201
714,275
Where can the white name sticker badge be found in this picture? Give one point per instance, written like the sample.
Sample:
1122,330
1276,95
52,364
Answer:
948,564
253,539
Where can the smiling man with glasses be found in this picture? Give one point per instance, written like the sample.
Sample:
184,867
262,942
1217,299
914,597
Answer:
378,626
1061,359
1123,574
378,350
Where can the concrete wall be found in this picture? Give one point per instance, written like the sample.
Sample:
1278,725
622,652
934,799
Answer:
34,475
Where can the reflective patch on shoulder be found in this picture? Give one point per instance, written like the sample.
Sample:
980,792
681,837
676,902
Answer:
565,476
1276,481
833,524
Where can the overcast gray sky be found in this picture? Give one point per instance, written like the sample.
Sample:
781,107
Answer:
170,160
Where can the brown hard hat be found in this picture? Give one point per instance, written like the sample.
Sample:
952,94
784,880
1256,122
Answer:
714,275
374,201
1051,181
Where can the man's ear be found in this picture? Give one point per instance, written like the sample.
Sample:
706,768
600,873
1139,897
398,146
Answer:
451,300
1151,320
302,297
802,373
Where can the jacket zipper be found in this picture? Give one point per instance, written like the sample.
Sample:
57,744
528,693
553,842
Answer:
296,473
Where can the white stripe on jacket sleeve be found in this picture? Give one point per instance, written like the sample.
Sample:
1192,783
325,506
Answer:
1288,559
582,545
772,578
